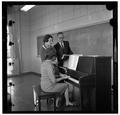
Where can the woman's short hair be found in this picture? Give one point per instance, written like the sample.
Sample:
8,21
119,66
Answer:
47,37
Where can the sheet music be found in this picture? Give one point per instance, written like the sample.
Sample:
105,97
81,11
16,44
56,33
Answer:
72,62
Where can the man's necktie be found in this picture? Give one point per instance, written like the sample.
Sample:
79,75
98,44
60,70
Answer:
62,45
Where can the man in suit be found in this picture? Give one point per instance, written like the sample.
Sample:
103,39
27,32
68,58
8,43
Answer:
62,47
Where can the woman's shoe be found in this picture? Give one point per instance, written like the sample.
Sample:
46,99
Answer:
69,104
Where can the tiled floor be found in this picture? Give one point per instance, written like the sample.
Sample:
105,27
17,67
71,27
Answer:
22,94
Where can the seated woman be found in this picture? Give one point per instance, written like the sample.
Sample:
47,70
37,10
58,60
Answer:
49,83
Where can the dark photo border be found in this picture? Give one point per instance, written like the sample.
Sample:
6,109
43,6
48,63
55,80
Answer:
113,22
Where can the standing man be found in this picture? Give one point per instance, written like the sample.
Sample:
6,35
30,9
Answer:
62,47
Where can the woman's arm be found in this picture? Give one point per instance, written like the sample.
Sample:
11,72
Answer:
59,79
62,77
52,75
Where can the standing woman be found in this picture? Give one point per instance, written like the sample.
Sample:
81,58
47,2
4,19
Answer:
47,47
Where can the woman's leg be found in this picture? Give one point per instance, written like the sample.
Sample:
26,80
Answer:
57,100
60,87
67,97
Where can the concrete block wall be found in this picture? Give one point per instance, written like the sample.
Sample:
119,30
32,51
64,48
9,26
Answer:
48,19
44,19
54,18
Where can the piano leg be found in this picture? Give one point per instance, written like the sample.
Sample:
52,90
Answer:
81,99
87,100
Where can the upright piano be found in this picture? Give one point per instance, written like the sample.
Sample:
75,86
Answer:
91,71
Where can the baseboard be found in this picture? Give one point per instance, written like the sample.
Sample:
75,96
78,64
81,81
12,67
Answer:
26,73
38,74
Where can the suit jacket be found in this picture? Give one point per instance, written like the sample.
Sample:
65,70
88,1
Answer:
60,51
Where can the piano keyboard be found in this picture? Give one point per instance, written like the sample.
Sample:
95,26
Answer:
73,80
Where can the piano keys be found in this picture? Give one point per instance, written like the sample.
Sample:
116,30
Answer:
91,71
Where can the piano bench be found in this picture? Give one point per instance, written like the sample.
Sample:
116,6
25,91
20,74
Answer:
39,94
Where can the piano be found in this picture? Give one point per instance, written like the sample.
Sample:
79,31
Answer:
91,72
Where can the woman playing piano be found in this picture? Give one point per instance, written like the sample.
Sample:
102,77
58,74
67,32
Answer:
49,83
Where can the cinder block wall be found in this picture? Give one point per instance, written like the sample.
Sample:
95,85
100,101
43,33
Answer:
54,18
